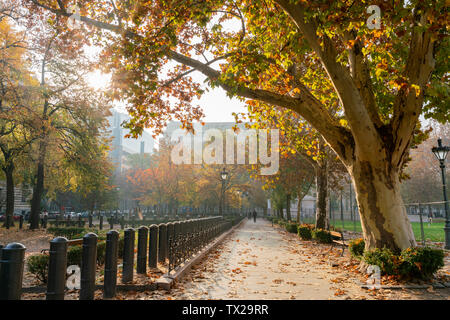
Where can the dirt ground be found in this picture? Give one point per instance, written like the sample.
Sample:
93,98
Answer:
33,240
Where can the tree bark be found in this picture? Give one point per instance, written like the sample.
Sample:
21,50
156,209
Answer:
288,207
321,196
383,216
38,188
9,215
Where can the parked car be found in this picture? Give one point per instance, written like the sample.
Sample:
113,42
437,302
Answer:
54,214
85,214
16,216
71,214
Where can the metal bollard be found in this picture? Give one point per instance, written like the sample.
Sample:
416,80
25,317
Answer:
21,222
80,222
122,222
162,242
11,271
142,250
57,266
101,223
153,247
111,223
88,264
128,255
112,250
90,220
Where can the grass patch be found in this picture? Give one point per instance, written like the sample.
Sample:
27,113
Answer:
433,232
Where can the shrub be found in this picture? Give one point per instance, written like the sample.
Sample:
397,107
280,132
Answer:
304,231
281,222
411,263
356,247
120,254
74,254
291,227
38,266
67,224
388,262
69,232
322,236
101,251
421,262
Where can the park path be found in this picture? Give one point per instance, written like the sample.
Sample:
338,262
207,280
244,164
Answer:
258,261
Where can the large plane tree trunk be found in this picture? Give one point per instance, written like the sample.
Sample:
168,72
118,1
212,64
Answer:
383,216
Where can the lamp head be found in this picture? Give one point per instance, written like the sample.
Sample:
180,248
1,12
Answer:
440,151
224,174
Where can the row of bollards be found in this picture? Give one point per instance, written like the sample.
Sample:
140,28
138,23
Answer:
153,245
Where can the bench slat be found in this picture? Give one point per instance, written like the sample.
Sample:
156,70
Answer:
74,242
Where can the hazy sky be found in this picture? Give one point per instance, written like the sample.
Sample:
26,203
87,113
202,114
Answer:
216,105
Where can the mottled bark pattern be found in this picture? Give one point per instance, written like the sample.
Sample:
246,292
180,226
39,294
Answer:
383,216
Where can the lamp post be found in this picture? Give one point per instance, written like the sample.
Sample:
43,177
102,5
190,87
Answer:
118,196
223,178
441,153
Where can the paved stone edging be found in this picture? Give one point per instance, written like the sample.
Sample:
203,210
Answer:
119,287
167,281
438,285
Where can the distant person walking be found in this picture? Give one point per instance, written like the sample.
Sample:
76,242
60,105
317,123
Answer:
430,218
254,215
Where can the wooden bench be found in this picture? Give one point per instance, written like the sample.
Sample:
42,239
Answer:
339,241
74,242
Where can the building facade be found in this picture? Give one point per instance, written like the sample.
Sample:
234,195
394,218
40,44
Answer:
22,198
121,146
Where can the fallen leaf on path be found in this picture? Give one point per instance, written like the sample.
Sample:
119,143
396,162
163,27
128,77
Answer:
339,292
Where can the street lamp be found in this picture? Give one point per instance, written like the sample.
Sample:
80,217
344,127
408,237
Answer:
243,194
224,174
441,153
223,177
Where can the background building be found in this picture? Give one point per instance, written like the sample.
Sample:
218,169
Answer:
122,146
22,197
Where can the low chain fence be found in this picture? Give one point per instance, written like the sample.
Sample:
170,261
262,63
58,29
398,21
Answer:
167,243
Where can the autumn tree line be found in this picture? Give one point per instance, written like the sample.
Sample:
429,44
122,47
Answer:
52,123
154,181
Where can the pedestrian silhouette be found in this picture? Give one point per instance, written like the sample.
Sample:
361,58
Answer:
254,215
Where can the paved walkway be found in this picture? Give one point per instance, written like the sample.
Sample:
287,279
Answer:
259,261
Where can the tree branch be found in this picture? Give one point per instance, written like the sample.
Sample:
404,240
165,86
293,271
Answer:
364,131
306,104
408,103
